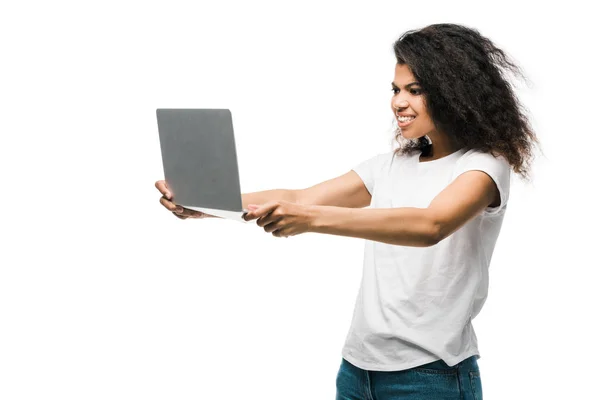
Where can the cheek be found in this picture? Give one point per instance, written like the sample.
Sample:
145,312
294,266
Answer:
422,126
419,105
425,126
423,114
426,122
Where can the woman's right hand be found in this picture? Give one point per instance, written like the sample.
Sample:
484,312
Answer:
178,211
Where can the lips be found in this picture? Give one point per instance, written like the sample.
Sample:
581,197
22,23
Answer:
404,120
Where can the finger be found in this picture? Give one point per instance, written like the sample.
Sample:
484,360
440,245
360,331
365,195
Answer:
162,187
186,213
249,216
273,226
261,211
180,216
190,213
267,219
283,233
179,209
170,205
251,207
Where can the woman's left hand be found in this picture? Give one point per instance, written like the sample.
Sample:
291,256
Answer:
282,218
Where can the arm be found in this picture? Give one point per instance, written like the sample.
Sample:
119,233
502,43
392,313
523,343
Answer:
346,190
466,197
269,195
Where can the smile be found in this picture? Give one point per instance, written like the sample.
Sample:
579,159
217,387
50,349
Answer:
405,121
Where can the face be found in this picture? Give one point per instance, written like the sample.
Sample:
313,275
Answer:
408,105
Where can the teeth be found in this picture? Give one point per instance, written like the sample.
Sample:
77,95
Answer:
405,119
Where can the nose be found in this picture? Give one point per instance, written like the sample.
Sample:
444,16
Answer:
399,102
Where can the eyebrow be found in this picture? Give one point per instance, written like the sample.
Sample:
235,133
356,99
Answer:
407,86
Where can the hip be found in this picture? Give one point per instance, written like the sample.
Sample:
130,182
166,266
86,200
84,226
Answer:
434,380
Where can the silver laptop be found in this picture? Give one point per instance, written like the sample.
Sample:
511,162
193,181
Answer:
200,161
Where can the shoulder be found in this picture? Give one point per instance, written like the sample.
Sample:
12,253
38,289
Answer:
495,166
487,162
474,154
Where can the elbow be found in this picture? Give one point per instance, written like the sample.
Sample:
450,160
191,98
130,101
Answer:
435,234
427,236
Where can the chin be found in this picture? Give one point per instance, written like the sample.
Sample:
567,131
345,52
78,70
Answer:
409,136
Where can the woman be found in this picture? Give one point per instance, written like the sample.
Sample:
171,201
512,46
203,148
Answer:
438,202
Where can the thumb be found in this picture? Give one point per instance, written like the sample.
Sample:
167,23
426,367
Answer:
253,206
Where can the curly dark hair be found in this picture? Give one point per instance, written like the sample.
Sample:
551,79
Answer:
467,93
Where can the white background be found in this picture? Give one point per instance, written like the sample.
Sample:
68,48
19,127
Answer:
106,295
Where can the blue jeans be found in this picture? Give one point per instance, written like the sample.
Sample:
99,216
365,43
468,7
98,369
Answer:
432,381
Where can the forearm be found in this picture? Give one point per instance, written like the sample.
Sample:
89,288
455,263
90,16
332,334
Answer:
268,195
406,226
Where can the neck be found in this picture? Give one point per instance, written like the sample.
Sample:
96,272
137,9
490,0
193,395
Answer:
441,146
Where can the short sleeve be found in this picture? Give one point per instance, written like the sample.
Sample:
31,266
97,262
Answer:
369,170
496,167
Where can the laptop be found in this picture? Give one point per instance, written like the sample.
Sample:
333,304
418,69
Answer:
200,162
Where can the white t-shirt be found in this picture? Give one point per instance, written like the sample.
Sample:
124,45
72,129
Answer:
415,304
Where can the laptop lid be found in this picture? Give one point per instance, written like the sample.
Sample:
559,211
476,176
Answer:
200,161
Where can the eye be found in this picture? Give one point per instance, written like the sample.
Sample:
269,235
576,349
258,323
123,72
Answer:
395,90
416,92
